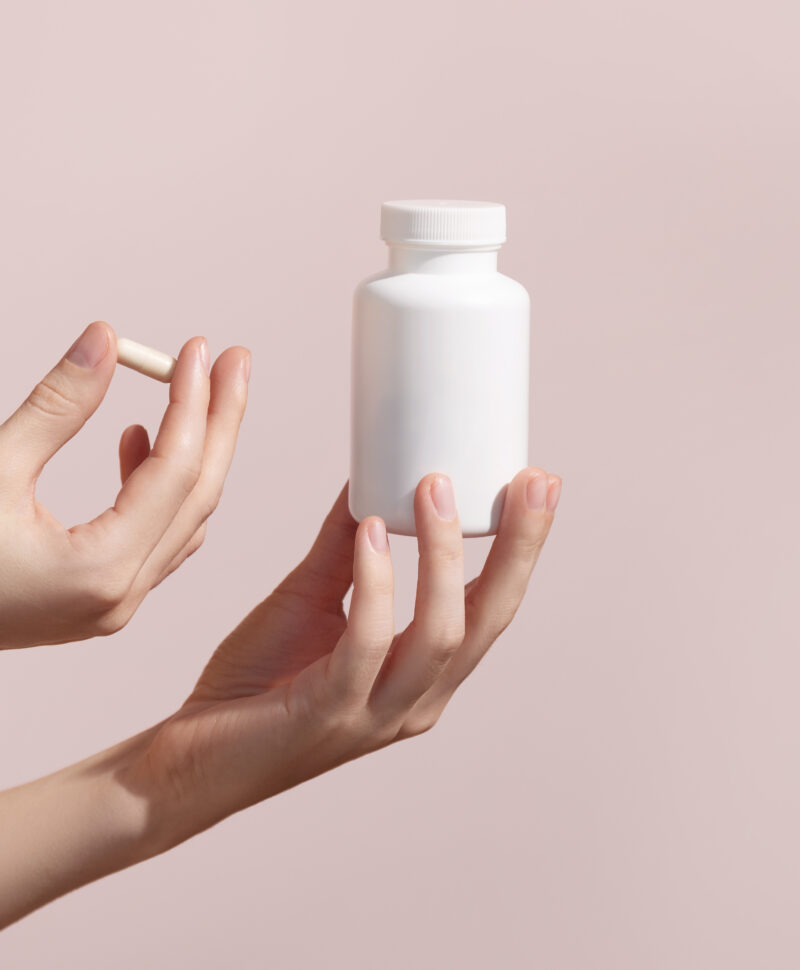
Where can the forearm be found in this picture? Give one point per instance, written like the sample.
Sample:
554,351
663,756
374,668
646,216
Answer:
70,828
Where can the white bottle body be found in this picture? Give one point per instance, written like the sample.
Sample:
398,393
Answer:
439,383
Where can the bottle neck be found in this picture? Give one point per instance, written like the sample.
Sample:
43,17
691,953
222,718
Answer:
416,259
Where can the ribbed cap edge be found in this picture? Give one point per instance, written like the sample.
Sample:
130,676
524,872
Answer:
444,222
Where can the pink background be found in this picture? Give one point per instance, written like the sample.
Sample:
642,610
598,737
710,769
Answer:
617,786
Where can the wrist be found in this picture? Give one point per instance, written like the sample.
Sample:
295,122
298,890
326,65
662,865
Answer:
70,828
130,799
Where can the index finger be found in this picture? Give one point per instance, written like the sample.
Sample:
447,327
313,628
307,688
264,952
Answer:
154,492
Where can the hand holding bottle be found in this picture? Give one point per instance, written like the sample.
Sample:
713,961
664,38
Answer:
296,689
299,687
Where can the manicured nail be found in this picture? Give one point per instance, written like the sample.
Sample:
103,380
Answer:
444,501
376,531
205,356
553,494
536,492
246,368
90,348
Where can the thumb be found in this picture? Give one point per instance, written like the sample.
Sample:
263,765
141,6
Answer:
326,572
60,404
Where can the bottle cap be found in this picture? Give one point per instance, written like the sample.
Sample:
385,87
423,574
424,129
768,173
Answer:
447,223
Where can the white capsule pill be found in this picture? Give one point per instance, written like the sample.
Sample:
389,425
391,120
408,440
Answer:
145,360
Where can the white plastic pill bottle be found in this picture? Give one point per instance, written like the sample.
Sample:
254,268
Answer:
439,366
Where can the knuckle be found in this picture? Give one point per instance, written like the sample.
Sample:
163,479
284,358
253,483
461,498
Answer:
451,636
503,617
344,707
378,586
197,540
112,621
420,723
107,594
386,731
193,547
382,637
435,663
337,699
340,717
441,652
187,474
447,555
490,620
529,547
47,398
210,506
185,471
106,588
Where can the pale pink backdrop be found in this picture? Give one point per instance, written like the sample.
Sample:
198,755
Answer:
617,786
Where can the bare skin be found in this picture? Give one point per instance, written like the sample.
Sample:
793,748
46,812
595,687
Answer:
296,689
59,584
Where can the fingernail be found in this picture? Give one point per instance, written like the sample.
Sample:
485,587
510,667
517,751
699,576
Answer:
376,531
553,494
90,348
444,500
536,492
246,368
205,356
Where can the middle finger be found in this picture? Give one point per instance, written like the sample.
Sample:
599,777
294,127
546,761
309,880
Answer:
225,411
437,629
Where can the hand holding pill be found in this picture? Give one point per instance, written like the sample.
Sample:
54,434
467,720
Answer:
61,584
